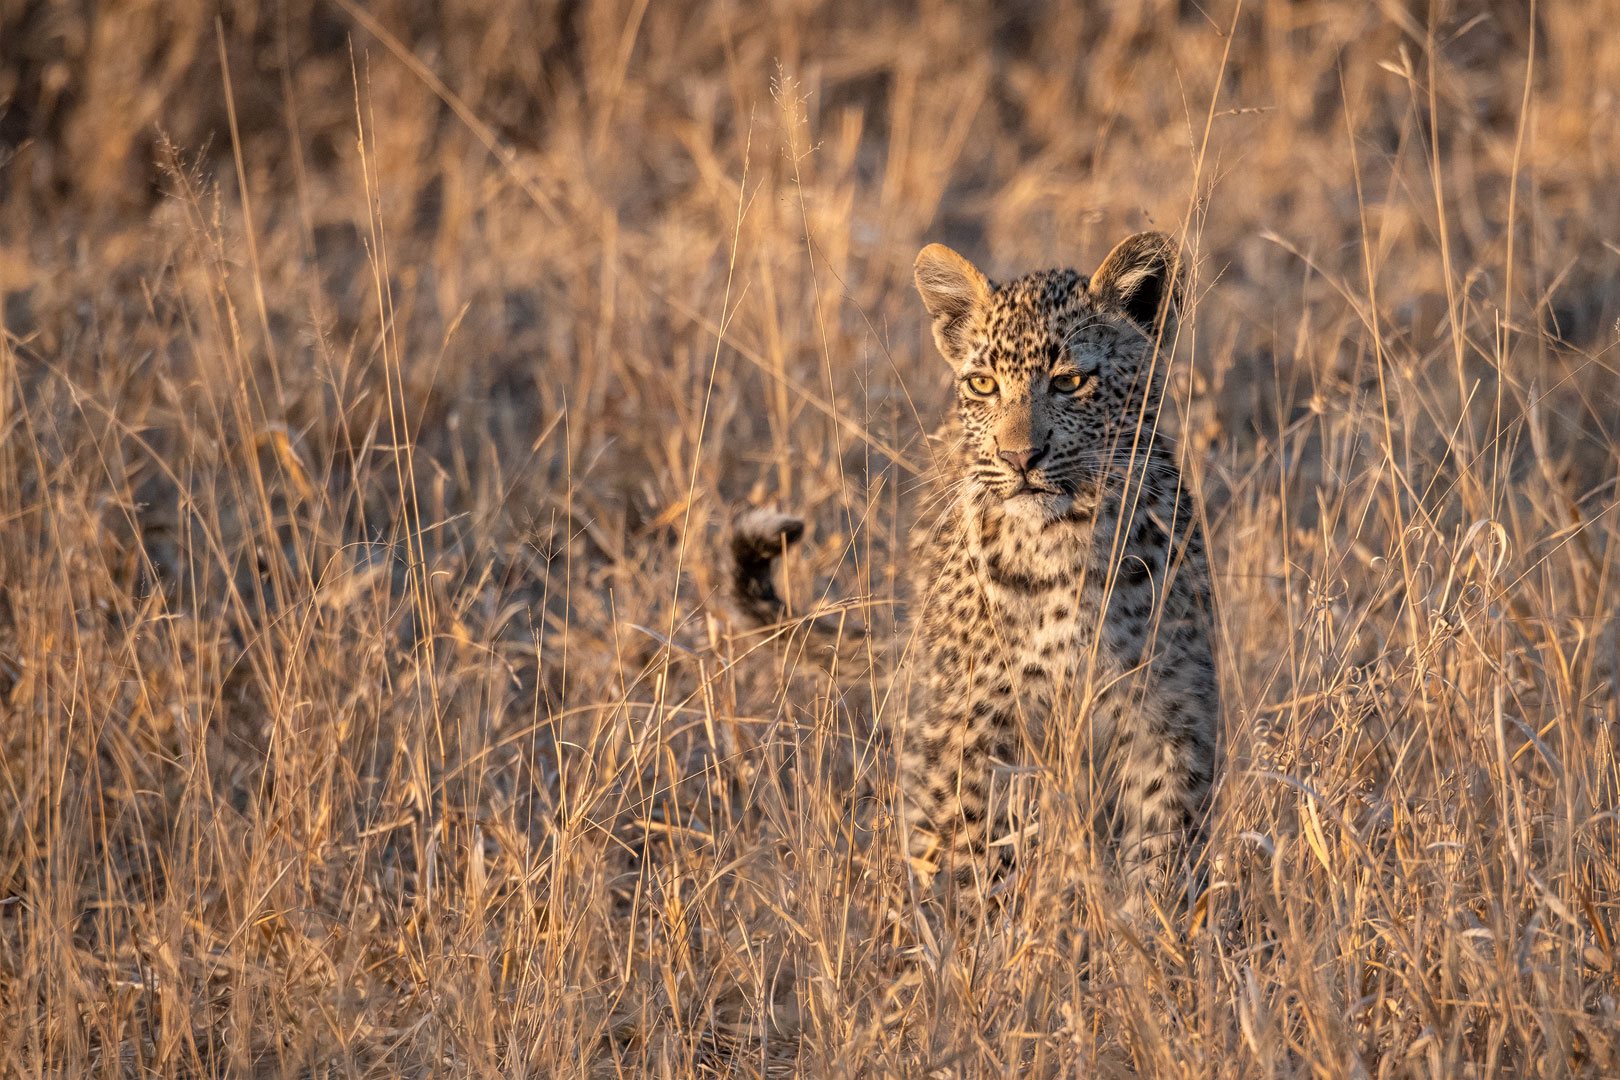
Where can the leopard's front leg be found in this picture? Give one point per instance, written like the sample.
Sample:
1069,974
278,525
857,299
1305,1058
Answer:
951,811
1164,797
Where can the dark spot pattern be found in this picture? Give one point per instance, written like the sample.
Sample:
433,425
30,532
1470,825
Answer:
1065,551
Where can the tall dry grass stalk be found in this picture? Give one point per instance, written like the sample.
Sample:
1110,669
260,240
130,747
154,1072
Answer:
376,382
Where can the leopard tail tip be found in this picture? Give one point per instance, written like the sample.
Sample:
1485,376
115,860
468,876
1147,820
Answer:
758,536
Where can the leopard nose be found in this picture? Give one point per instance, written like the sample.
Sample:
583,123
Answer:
1022,460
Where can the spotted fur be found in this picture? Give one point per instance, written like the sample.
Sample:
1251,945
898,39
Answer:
1061,584
1058,575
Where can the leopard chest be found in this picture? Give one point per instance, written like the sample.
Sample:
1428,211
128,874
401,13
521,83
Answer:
1060,618
1044,633
1073,655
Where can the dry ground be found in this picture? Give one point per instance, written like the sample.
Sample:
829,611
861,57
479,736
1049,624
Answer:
377,379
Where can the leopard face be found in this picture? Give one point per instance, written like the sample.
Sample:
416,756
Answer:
1056,373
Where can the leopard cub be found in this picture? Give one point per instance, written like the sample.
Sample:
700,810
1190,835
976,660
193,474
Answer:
1059,585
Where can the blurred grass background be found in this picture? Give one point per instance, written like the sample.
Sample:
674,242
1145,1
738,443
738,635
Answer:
377,380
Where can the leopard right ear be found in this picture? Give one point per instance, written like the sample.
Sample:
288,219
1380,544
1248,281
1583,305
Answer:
952,290
1142,277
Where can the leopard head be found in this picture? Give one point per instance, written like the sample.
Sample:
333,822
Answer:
1057,374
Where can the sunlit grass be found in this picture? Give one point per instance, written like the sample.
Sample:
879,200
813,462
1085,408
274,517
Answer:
371,702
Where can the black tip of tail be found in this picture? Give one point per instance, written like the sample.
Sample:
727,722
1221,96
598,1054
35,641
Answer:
758,536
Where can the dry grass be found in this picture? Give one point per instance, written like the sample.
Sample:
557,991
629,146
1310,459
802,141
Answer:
371,412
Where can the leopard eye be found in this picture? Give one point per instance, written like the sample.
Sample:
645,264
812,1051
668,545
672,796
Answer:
981,385
1067,383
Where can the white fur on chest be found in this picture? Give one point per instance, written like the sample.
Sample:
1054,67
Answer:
1046,593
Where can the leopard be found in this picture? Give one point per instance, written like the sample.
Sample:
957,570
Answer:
1060,592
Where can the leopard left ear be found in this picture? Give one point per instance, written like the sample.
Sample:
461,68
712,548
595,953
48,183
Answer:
1141,277
952,290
